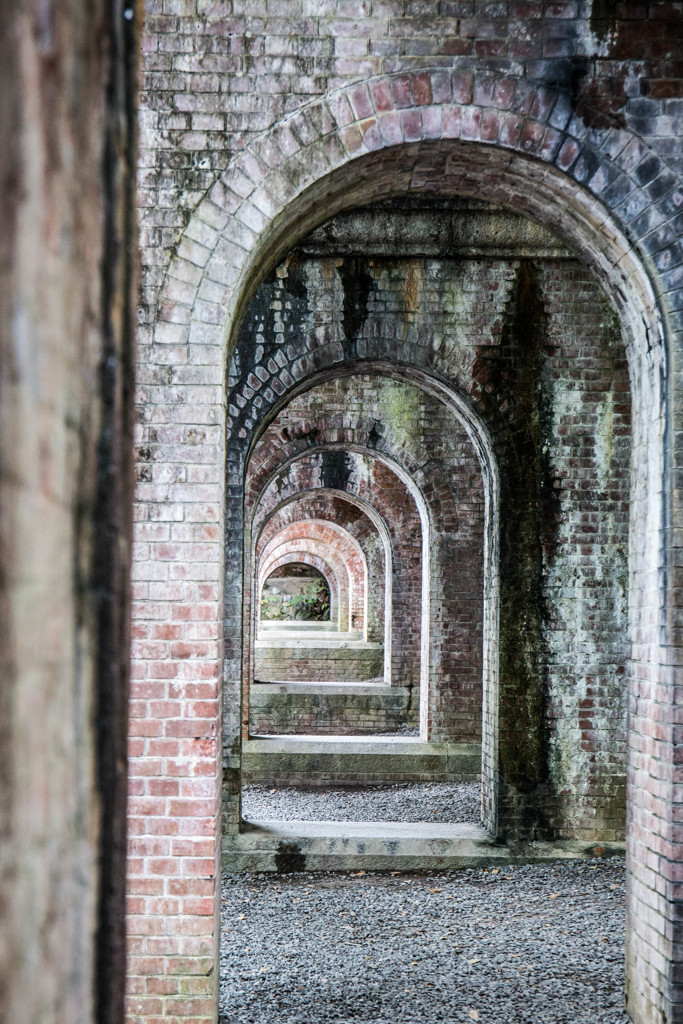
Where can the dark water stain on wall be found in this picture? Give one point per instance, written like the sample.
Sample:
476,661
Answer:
335,469
357,284
528,511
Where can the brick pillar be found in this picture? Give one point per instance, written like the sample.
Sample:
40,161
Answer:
175,738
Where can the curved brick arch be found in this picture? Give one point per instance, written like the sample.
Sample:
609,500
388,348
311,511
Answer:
294,541
336,426
383,613
410,646
487,414
397,500
337,541
337,566
368,529
323,567
451,668
604,192
452,673
270,194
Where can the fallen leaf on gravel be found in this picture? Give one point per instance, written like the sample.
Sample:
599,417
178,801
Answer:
474,1015
355,874
554,895
614,886
436,890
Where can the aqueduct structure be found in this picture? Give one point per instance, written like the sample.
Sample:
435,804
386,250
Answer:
275,287
411,304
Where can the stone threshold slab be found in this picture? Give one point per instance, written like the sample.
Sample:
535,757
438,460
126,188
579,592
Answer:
284,846
301,828
362,689
280,642
385,744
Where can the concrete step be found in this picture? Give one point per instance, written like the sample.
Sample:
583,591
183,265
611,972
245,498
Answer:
285,846
354,760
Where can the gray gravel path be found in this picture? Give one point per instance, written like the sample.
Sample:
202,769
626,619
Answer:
541,944
433,801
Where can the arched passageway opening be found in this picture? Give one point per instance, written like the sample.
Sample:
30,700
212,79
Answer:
549,198
294,591
518,471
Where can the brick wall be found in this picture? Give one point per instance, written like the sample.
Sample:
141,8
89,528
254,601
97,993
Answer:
256,127
326,661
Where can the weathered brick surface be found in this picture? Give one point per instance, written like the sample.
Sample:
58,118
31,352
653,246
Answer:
334,662
67,245
260,123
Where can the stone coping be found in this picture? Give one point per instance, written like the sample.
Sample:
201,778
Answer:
366,688
385,744
368,829
316,643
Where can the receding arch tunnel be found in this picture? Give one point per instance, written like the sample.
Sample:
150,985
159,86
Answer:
492,173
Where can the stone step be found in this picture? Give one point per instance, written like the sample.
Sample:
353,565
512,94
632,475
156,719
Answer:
354,760
309,657
285,846
296,626
314,687
330,708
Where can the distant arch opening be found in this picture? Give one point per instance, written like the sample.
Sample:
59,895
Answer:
295,591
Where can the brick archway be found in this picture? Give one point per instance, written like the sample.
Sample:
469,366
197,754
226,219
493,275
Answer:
328,540
316,562
494,137
367,527
408,520
291,178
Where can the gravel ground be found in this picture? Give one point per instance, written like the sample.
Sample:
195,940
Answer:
428,801
541,944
